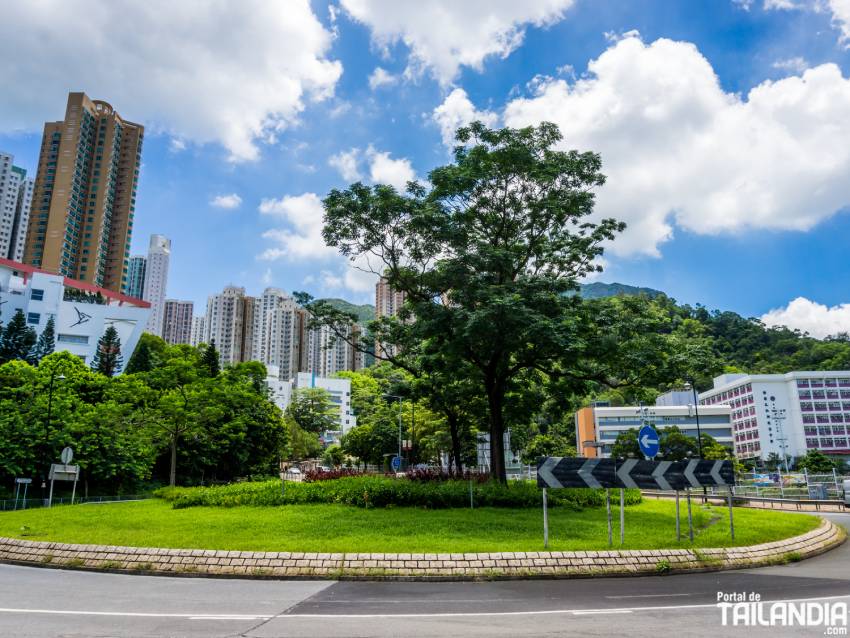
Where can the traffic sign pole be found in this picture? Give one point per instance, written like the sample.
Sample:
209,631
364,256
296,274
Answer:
608,510
622,515
545,521
731,520
690,518
678,525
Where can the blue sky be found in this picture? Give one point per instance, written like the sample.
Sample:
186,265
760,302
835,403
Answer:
724,128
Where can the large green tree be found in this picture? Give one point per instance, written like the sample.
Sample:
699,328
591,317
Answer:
46,343
17,339
487,257
107,356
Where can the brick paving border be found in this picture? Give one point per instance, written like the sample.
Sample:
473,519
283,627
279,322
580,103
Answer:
484,566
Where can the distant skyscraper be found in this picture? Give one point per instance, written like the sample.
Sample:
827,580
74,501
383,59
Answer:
388,302
136,276
85,194
156,280
15,199
278,328
198,334
328,354
177,321
229,323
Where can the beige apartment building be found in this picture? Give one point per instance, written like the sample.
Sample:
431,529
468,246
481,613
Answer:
177,321
81,219
388,302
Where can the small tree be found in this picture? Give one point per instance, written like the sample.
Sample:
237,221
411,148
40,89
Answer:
46,343
816,462
107,358
17,339
210,360
546,445
626,445
141,360
312,410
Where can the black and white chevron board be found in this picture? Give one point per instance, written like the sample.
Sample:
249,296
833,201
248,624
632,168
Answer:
556,471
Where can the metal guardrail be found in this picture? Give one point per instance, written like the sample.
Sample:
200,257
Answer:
7,505
737,499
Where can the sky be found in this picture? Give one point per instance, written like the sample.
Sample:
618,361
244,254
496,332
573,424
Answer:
723,127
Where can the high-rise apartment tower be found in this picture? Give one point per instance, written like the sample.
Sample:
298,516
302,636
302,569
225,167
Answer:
156,280
177,321
81,220
15,198
136,276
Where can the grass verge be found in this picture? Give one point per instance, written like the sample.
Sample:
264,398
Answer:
340,528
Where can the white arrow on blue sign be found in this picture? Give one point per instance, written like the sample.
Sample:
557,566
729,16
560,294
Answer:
648,441
396,463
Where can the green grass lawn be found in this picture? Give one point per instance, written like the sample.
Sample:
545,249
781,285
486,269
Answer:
340,528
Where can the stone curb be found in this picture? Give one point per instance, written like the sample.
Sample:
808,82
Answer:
484,566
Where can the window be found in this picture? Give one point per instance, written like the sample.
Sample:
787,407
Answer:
33,317
78,339
36,294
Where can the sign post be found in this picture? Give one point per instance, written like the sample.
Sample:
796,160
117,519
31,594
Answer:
18,482
678,530
608,510
64,472
545,521
622,515
690,518
731,521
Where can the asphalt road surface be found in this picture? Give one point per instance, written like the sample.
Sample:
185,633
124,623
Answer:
37,602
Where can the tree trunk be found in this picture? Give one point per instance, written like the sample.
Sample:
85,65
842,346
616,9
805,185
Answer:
495,395
172,481
455,436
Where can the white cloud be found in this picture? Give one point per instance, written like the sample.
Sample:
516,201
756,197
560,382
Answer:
383,169
228,202
841,18
809,316
267,277
381,77
177,145
234,73
347,163
302,239
444,35
330,280
457,110
796,64
679,149
782,5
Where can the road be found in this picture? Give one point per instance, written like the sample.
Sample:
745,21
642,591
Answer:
40,603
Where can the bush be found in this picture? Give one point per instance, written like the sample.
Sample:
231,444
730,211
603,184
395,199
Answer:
330,475
379,491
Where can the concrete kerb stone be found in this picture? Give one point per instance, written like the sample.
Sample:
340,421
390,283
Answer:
408,567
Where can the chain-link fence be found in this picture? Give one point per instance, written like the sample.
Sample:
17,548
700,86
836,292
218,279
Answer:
792,485
10,504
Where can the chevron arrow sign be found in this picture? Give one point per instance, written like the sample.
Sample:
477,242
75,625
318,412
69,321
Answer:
556,471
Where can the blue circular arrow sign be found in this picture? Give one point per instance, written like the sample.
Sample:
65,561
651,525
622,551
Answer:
648,441
396,463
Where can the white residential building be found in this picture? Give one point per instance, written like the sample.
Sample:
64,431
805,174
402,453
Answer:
177,321
229,323
15,202
198,335
156,281
328,354
339,390
278,332
794,412
81,311
601,423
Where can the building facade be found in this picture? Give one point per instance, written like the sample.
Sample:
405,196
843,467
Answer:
229,323
328,354
15,199
278,332
81,312
198,335
388,302
84,199
177,321
601,424
339,390
156,280
136,276
786,413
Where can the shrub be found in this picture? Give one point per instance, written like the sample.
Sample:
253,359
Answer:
330,475
379,491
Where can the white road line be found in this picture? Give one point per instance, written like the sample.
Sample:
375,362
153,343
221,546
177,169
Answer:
543,612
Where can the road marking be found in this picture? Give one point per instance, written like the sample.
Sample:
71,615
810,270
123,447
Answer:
542,612
648,596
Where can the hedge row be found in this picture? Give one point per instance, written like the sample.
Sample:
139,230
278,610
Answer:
379,491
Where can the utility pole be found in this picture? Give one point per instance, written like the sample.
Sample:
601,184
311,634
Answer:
779,417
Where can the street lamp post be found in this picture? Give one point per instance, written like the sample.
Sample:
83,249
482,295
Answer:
691,385
399,399
44,460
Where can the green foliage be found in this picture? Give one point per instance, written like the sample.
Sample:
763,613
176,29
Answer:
816,462
211,360
378,491
312,410
128,429
149,351
333,456
17,339
46,342
107,357
673,445
546,445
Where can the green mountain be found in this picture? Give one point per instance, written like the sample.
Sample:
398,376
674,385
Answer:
364,313
598,290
